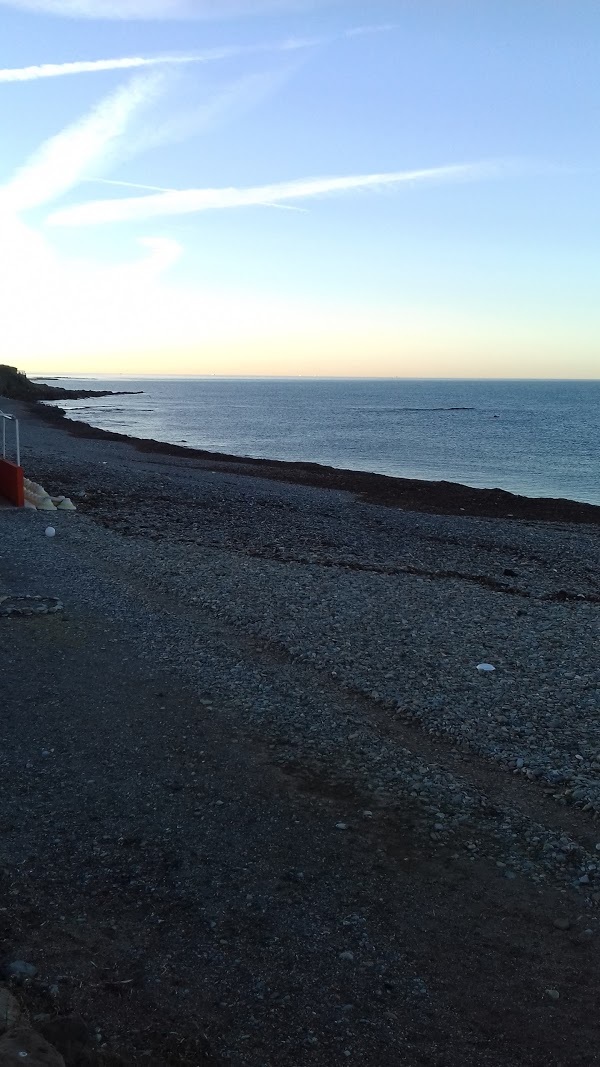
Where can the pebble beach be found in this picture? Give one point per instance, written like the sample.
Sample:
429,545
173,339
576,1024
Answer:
258,776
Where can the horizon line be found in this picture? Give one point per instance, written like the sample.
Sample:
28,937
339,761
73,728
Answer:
303,377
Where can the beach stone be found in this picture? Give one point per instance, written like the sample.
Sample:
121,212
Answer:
23,1045
562,924
10,1012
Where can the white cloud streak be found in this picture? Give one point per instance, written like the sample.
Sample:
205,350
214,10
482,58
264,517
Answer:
59,70
377,27
162,189
230,103
97,139
190,201
62,161
163,9
130,185
96,66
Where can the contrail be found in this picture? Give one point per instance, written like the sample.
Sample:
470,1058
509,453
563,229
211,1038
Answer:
61,161
162,189
130,185
160,9
38,71
60,70
95,66
189,201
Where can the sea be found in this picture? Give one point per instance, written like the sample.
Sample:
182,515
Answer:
536,438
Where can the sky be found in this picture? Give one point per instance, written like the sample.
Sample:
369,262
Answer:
300,187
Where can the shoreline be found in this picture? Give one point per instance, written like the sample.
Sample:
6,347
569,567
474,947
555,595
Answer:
258,723
411,494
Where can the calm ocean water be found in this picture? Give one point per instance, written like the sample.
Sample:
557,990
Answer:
539,438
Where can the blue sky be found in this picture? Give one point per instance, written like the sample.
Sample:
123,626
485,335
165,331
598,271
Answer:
398,188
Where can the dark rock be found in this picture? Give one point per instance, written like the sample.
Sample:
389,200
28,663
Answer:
24,1045
10,1012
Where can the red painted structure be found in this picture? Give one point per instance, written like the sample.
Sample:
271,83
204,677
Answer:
11,482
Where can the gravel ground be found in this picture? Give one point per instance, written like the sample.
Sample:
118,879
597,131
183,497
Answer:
256,796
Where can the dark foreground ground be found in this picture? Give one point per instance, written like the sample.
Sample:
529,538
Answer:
194,887
182,893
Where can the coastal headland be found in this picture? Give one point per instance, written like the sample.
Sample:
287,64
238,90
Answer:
15,385
259,801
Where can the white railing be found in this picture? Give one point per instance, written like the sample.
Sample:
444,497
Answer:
5,419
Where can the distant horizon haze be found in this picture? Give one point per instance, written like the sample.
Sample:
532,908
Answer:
101,375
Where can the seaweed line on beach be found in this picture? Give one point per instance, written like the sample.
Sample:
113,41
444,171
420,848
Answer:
435,497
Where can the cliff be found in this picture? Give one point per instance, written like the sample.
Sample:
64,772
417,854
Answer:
17,386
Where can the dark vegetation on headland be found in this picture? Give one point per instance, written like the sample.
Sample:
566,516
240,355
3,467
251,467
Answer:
17,386
411,494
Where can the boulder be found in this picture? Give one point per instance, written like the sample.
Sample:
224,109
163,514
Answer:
10,1012
22,1045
